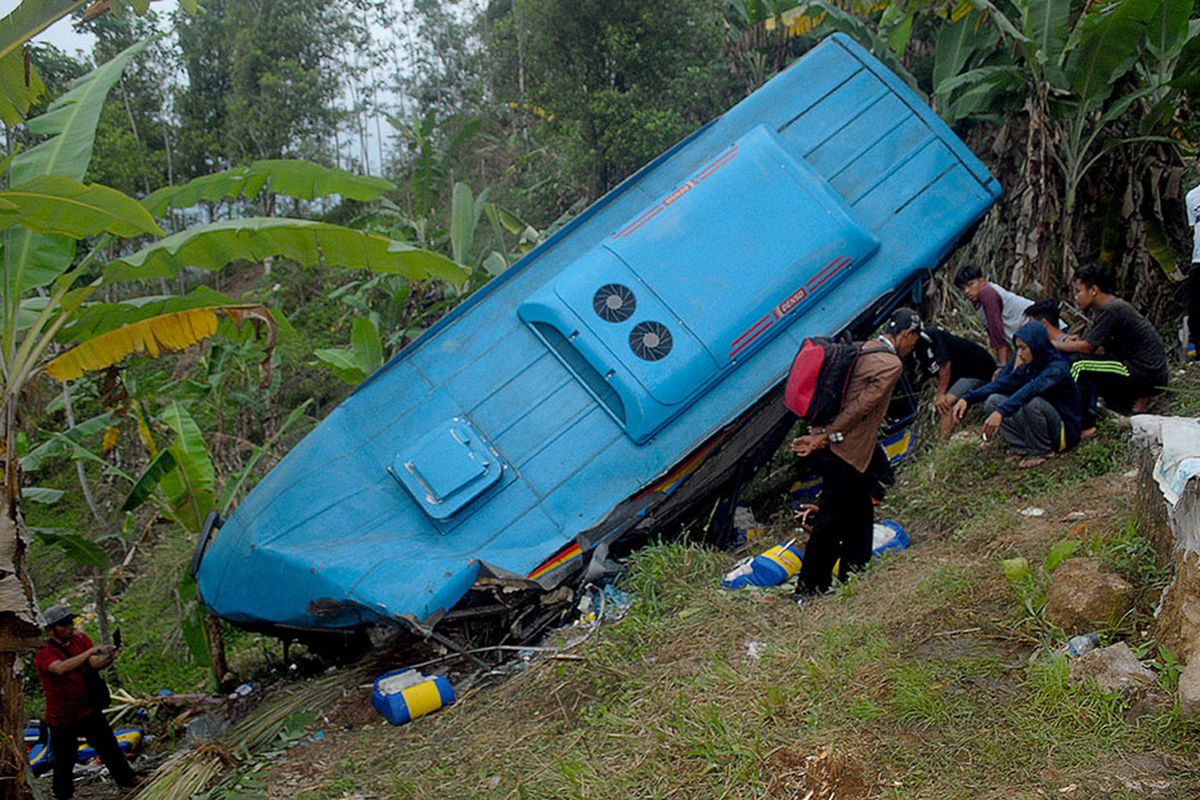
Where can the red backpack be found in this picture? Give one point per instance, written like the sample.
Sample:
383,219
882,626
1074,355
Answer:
820,375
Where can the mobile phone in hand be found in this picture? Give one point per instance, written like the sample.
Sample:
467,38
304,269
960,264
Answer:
117,638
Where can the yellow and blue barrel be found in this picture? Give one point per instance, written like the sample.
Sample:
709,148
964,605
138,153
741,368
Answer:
888,535
412,701
41,757
770,568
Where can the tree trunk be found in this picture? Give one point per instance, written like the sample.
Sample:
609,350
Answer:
216,650
19,632
100,574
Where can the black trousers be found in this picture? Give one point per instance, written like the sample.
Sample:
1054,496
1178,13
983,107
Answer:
64,745
843,526
1111,379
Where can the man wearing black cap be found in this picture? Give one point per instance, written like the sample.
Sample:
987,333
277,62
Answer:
68,665
841,452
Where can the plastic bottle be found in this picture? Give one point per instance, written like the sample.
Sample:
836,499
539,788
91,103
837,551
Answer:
1078,645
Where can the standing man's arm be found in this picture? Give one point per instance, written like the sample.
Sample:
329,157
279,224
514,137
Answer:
65,665
105,654
876,389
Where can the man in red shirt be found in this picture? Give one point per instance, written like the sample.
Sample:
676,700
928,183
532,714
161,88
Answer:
63,664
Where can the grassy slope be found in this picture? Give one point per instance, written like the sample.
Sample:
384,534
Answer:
926,679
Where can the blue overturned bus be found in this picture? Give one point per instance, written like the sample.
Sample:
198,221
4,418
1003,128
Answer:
618,375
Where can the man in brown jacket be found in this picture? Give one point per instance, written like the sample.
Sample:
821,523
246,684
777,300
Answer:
841,452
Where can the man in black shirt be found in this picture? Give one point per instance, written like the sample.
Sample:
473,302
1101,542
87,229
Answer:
960,366
1124,359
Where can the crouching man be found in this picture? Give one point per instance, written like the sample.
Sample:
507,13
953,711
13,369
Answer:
841,452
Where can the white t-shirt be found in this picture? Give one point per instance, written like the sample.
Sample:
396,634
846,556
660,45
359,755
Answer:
1013,309
1192,201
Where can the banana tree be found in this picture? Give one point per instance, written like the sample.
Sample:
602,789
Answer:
1076,71
882,26
45,213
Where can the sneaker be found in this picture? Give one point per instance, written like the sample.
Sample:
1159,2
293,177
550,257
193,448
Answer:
802,600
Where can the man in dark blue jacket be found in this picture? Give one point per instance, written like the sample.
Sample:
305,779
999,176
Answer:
1036,405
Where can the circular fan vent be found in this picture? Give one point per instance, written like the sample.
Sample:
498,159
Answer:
614,302
650,340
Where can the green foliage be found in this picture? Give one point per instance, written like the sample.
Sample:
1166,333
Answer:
146,484
194,620
41,494
1082,71
1060,552
1030,585
1169,670
30,18
989,483
1124,549
63,442
262,79
76,547
189,488
436,145
302,180
70,121
135,136
54,204
465,212
1108,43
365,356
94,319
597,68
217,244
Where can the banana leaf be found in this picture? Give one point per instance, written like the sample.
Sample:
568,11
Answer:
20,87
147,482
1047,24
171,332
256,239
36,259
76,547
62,443
191,488
302,180
94,319
1109,44
1169,29
368,348
54,204
41,494
30,18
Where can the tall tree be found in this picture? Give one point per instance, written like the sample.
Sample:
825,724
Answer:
619,80
135,137
263,79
